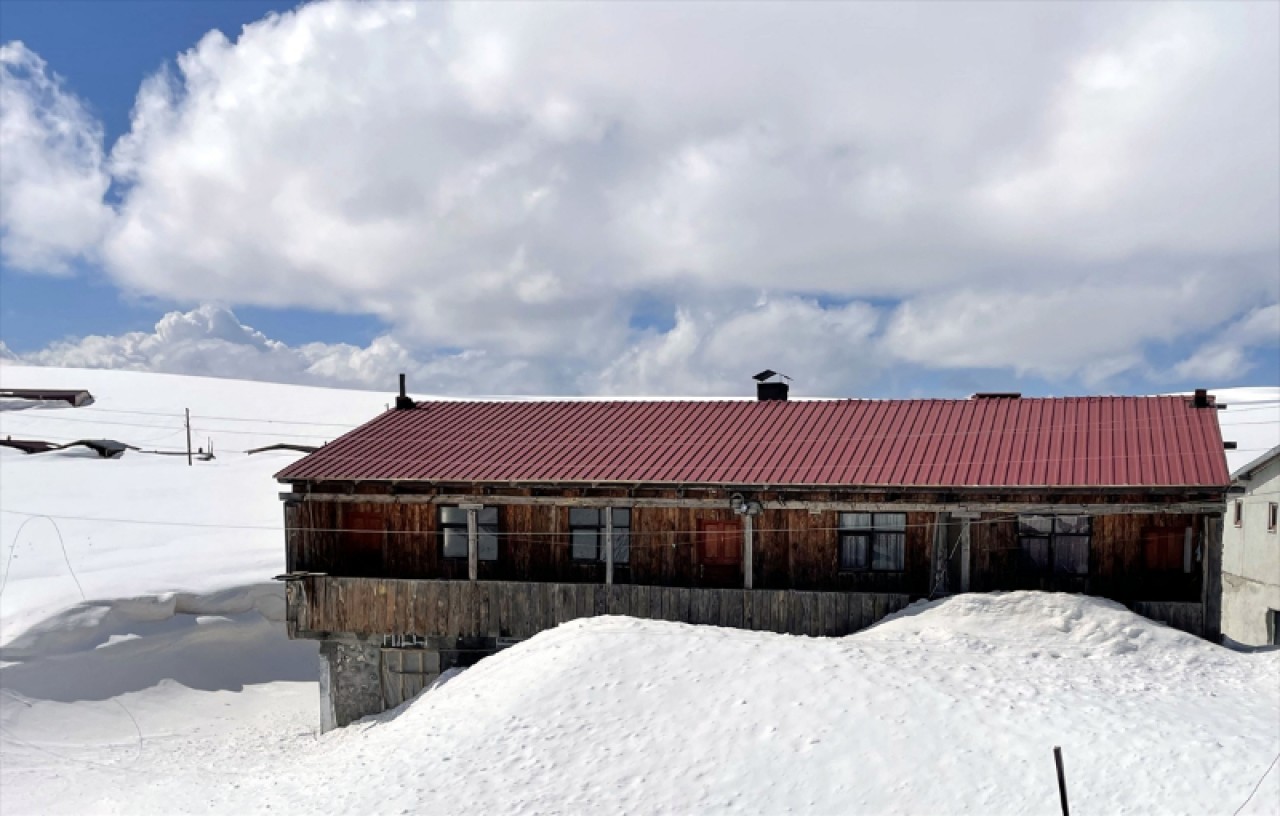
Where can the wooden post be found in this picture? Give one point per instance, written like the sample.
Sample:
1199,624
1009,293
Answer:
1062,780
1211,588
938,584
188,410
608,546
748,528
473,545
964,555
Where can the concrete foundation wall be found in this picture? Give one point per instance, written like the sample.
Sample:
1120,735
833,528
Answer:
360,677
350,681
1245,605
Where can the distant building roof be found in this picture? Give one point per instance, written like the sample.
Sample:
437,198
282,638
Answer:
76,397
1059,442
1245,473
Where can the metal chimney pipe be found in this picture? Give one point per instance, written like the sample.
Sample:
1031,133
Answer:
403,403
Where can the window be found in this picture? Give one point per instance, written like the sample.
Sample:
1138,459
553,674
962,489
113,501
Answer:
453,532
1273,510
1237,513
587,529
873,542
1057,544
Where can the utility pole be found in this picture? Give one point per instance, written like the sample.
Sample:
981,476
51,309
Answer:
188,410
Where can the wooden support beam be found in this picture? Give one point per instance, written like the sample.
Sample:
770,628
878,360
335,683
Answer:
748,567
1029,508
608,546
938,580
473,544
964,555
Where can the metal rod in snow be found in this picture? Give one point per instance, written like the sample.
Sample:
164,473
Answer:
1062,780
188,410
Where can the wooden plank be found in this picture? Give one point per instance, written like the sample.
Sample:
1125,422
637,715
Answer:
979,506
781,616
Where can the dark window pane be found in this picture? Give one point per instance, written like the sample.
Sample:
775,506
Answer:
1071,555
853,551
889,551
487,544
891,521
584,517
855,521
1077,525
621,547
487,515
1033,554
1035,525
621,517
455,543
453,515
585,545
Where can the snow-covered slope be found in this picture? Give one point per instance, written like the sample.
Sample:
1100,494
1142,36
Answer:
950,707
149,673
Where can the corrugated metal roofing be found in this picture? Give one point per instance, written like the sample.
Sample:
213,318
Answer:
1063,442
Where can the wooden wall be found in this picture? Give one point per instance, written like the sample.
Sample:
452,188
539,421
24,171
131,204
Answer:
1118,565
319,605
792,549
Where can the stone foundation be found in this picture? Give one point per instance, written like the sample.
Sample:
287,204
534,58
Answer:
360,677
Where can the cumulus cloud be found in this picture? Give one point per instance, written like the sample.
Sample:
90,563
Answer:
1225,358
211,341
1043,188
52,179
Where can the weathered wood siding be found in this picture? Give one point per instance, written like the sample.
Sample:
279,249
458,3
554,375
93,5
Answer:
430,608
1118,567
1189,617
792,549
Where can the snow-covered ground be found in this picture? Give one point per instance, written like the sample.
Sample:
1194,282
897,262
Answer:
147,669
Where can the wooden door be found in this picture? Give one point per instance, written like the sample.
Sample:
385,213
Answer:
720,553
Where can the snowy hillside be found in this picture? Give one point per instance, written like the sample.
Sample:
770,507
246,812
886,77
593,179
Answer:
147,669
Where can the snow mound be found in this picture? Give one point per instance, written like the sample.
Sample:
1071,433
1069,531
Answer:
632,715
1053,623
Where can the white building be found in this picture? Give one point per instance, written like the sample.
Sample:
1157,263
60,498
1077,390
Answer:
1251,555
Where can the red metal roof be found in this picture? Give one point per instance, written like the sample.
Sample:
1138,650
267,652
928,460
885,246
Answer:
1061,442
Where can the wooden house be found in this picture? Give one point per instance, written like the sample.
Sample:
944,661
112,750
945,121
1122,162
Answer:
443,530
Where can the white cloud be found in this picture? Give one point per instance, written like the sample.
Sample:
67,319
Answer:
1225,357
52,181
1045,188
211,341
826,351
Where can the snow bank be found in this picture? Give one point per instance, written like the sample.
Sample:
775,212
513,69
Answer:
1055,624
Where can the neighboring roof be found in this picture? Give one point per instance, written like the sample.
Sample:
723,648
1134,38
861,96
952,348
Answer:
1067,442
76,397
1245,473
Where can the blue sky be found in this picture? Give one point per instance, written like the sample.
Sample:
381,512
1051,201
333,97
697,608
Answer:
646,198
103,49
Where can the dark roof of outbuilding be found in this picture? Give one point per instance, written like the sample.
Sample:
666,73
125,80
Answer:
1034,442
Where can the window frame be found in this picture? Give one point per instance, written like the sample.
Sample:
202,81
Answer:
874,533
1273,516
1026,532
599,528
484,529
